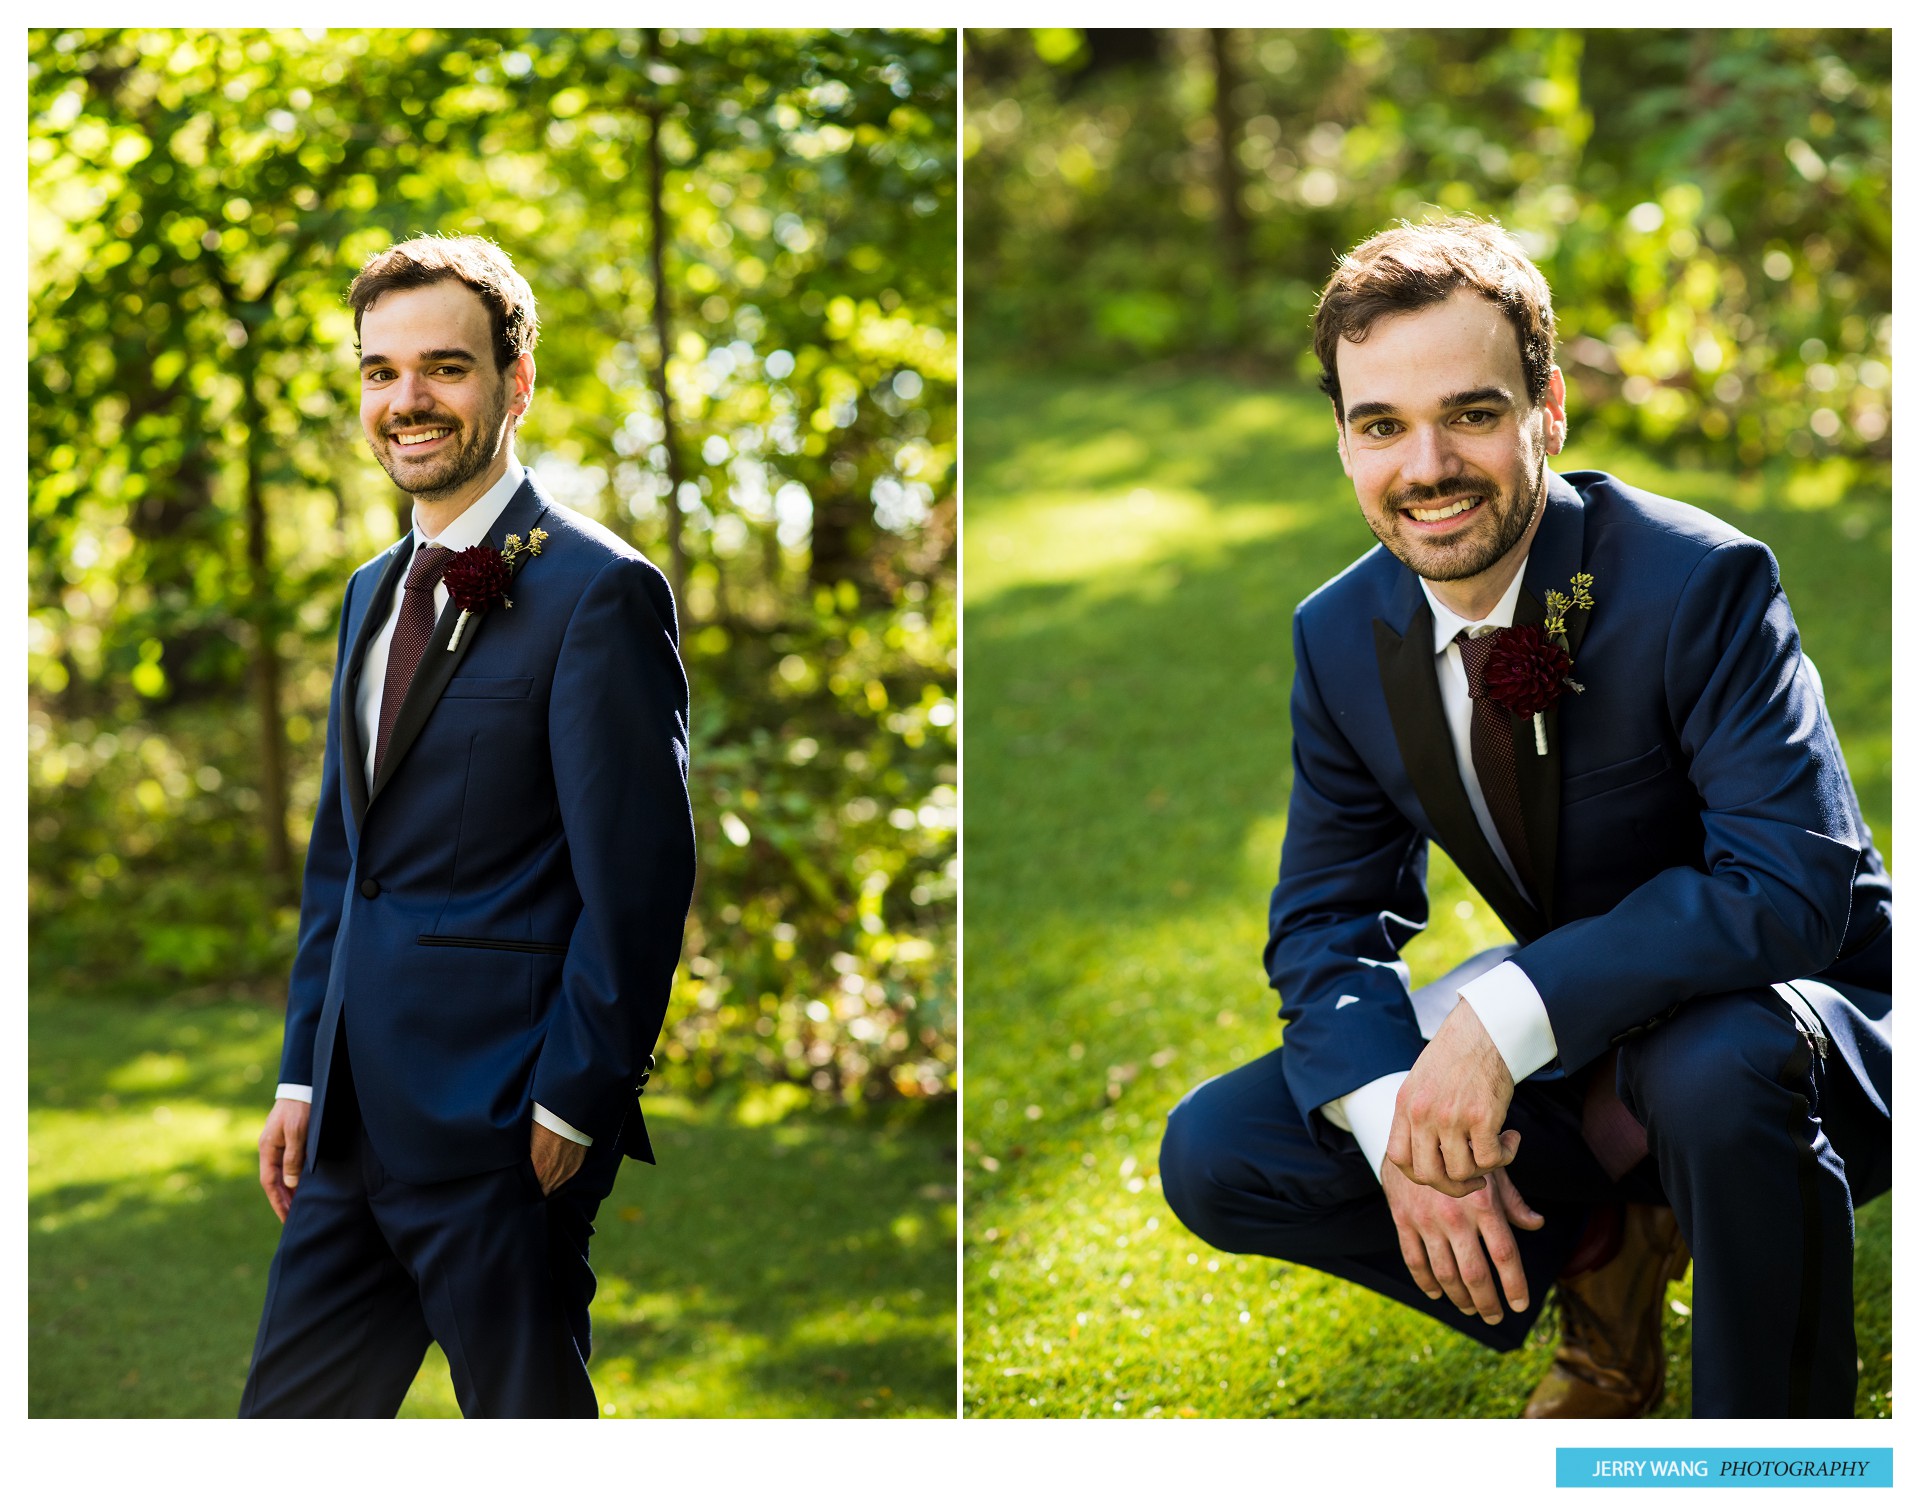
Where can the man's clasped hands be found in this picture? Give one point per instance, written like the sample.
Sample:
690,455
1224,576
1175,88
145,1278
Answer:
1445,1173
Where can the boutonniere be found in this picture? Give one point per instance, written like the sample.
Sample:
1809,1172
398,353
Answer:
477,577
1530,667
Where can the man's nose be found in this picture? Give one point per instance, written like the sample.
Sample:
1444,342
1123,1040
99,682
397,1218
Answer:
1430,457
407,394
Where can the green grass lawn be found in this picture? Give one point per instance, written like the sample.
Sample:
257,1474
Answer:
1134,549
770,1266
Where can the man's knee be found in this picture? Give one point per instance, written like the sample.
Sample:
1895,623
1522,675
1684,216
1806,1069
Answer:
1697,1079
1203,1162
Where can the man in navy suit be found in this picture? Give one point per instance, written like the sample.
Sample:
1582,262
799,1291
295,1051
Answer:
496,885
1594,699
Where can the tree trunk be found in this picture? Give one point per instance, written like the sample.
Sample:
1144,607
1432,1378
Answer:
264,670
844,529
1226,122
663,337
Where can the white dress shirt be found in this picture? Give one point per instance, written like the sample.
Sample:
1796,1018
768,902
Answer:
1504,1000
466,530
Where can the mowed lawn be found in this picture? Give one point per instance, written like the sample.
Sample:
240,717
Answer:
797,1265
1134,549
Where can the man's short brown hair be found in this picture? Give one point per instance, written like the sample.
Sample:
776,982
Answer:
480,264
1411,267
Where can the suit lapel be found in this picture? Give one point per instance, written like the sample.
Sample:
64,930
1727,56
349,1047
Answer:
437,664
1412,691
353,756
1551,564
1538,777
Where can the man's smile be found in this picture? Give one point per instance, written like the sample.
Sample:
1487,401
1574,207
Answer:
1445,512
421,436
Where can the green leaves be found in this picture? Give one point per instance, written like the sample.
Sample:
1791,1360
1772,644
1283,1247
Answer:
1709,206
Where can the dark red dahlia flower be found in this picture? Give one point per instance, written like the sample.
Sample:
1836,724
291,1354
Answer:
1526,671
477,578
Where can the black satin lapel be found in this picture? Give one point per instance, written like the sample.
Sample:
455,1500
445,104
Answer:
353,756
1539,777
1412,690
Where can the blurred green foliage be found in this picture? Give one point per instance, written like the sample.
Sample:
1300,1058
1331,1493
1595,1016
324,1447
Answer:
198,489
1712,208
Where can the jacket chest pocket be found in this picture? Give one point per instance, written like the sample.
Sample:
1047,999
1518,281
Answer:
465,687
1614,776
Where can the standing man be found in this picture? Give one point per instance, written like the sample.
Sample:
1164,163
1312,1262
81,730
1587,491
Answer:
1595,700
496,885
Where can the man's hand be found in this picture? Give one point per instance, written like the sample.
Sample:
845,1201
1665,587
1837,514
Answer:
283,1150
556,1160
1441,1238
1447,1117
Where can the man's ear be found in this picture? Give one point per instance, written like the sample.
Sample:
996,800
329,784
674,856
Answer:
1340,442
521,374
1554,405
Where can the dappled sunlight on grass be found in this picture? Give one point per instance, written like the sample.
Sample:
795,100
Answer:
1160,427
85,1166
799,1268
1128,667
1130,543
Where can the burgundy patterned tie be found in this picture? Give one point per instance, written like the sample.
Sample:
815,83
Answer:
409,639
1615,1135
1493,754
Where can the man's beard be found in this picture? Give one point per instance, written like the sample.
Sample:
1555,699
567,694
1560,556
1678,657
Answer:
1472,552
435,478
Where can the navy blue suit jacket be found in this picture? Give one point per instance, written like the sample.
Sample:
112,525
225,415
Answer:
496,921
1693,826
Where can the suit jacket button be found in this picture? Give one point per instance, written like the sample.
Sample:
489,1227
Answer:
369,888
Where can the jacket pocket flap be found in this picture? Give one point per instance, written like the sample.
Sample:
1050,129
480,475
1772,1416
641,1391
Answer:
1615,775
466,687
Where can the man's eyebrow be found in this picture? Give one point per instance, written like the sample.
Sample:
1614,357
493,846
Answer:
427,357
1479,396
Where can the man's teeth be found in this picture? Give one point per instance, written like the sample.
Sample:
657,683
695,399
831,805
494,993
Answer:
1442,513
408,439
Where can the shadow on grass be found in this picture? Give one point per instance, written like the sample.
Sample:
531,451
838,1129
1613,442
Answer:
1135,548
799,1268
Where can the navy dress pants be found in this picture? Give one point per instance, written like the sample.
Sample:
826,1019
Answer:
1765,1128
371,1270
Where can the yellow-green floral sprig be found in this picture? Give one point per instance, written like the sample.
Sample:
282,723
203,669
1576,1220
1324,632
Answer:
1558,605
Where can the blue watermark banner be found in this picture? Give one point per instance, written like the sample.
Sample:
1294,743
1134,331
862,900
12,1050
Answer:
1724,1467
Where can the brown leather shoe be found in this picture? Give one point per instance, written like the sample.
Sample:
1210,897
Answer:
1610,1364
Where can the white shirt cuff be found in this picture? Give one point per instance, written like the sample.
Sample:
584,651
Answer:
540,1114
558,1125
1509,1008
1367,1113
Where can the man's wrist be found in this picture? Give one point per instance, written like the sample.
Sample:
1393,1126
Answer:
1509,1008
559,1125
1367,1113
